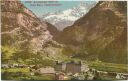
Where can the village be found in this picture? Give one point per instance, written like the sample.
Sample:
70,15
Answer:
68,71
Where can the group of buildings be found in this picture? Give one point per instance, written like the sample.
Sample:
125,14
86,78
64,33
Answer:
69,67
62,68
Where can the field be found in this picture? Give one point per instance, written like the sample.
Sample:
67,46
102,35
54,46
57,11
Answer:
109,67
22,74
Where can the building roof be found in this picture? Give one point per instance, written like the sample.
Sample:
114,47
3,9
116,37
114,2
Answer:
69,62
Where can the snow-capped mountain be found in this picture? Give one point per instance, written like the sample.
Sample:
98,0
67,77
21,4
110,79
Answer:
62,19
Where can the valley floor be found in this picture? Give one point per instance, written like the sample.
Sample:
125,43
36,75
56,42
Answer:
28,74
109,67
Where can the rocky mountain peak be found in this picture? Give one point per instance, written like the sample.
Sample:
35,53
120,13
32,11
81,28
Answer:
62,19
112,5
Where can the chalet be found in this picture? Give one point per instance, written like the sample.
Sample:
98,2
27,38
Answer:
4,66
60,66
121,76
73,67
69,67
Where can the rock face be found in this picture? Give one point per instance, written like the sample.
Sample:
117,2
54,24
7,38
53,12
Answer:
53,30
20,27
101,33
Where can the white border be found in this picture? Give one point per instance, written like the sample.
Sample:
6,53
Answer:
64,0
72,0
0,40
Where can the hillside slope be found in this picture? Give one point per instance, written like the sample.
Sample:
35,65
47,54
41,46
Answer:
100,34
22,30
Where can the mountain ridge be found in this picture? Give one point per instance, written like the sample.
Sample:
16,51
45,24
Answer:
98,31
67,17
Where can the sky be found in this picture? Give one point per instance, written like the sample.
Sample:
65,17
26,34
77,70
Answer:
42,7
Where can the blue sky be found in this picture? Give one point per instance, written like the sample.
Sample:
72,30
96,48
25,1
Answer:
40,10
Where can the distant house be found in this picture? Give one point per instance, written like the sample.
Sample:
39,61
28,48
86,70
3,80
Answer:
73,67
47,70
60,66
4,66
69,67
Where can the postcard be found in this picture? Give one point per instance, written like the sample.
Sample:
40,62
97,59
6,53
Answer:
63,40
